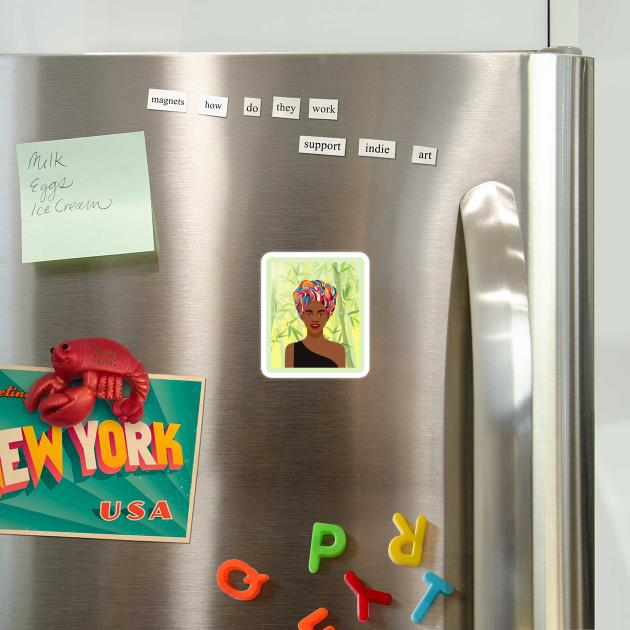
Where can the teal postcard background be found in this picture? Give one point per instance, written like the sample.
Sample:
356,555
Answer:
72,505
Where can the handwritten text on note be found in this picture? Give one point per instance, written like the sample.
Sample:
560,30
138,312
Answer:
85,197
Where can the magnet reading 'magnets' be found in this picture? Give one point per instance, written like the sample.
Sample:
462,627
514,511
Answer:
102,364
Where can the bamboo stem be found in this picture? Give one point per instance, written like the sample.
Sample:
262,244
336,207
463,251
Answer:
342,319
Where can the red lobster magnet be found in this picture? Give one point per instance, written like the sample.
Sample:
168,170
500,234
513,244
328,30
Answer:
103,364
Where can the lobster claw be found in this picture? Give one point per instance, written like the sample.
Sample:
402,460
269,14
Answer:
68,408
43,386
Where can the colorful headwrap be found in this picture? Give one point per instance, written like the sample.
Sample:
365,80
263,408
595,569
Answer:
315,291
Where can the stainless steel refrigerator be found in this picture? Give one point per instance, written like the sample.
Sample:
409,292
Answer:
477,409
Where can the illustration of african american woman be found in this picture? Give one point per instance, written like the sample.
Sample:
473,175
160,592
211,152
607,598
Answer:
315,302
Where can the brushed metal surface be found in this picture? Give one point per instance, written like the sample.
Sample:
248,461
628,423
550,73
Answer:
276,455
502,368
560,277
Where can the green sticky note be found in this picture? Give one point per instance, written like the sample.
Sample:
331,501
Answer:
85,197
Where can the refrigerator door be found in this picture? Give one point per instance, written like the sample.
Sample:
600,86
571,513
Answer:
278,455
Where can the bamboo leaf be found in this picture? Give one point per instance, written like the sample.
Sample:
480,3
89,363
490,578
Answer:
353,312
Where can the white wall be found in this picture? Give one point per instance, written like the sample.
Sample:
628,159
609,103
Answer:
37,26
603,27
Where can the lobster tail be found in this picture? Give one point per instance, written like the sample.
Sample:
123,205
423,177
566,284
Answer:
130,409
139,381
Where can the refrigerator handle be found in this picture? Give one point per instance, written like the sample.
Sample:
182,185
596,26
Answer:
502,374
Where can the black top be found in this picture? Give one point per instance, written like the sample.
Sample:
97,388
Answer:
305,358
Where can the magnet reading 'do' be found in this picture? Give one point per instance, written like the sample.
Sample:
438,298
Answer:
102,364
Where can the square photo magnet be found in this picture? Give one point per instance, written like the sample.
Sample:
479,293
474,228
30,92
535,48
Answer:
315,315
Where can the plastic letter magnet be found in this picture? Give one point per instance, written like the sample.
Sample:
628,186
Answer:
407,537
365,596
308,623
252,577
436,586
319,551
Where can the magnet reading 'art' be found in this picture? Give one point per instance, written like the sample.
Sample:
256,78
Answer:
319,551
252,577
102,364
407,537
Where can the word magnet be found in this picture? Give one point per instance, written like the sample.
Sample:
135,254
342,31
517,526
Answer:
436,586
319,550
377,148
167,100
285,107
252,577
365,595
424,155
322,146
251,106
323,108
407,537
213,106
